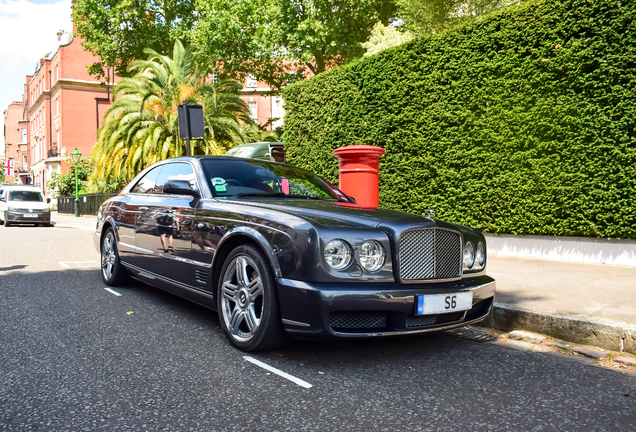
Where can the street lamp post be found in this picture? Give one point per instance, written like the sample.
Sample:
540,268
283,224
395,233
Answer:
76,155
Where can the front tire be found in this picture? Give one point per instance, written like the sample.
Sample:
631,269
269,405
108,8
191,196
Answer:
6,219
113,273
248,303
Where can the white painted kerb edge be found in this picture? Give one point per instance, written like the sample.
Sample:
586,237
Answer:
577,249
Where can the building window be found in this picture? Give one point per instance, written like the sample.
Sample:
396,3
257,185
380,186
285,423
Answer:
57,72
253,107
214,78
24,135
24,163
57,106
251,81
57,138
278,111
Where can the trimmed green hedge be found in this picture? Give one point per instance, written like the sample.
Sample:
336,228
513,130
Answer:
521,122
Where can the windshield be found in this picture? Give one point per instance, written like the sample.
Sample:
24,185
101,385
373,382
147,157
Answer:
241,151
32,196
238,178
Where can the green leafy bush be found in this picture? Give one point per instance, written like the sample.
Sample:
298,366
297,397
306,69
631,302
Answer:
65,183
521,122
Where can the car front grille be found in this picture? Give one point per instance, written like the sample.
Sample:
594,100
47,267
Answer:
430,253
357,320
430,320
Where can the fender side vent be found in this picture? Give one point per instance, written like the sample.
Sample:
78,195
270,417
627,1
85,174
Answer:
201,276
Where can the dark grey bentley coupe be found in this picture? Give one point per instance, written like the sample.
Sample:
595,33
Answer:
277,250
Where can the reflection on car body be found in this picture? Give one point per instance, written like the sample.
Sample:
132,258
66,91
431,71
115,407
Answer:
277,251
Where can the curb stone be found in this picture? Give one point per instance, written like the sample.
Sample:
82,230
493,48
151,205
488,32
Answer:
607,334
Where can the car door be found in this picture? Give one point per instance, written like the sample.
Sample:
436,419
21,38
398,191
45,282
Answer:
164,226
126,212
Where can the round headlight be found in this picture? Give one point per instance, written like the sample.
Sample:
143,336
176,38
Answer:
480,255
372,255
469,255
338,254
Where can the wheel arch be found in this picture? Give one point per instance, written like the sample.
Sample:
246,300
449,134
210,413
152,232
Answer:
237,237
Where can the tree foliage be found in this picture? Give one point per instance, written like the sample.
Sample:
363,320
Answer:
383,37
267,38
118,31
65,184
432,16
520,122
141,127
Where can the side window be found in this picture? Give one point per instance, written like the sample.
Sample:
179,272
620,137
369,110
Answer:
176,171
261,153
147,182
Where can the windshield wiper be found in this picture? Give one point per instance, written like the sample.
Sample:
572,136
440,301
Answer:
248,194
273,195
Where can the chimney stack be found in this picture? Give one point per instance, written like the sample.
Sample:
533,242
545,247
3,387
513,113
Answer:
59,35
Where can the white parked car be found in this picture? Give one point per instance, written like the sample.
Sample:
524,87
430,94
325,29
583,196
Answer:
24,204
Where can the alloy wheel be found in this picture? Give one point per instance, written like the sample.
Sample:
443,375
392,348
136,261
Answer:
242,298
108,255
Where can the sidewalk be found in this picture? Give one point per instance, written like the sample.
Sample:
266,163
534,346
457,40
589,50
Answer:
63,220
592,304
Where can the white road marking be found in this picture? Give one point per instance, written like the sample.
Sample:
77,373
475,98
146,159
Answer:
112,291
278,372
66,263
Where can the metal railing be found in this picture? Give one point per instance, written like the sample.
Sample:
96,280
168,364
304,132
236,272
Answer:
88,204
53,153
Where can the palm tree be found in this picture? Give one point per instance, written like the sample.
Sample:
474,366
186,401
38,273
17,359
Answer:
141,127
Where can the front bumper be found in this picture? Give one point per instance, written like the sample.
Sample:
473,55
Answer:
321,310
34,217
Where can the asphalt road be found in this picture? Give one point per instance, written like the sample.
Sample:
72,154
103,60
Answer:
76,357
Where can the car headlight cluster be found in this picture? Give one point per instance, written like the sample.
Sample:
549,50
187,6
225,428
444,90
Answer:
46,209
474,259
339,254
12,209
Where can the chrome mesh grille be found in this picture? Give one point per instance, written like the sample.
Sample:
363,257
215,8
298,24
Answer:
357,320
430,253
429,320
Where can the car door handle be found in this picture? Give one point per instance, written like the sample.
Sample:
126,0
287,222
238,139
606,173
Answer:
143,208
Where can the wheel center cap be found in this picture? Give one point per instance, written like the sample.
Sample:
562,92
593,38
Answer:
243,297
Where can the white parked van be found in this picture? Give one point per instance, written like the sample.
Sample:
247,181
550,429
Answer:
24,204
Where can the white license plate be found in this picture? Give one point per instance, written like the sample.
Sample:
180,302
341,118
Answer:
29,215
442,303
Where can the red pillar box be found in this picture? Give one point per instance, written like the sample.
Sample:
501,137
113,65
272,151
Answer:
359,169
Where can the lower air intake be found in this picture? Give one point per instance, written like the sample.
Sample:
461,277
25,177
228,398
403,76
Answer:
357,320
431,320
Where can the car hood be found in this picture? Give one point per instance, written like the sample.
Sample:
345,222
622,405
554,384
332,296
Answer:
333,213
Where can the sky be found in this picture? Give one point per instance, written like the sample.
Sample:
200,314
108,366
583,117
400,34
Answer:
28,31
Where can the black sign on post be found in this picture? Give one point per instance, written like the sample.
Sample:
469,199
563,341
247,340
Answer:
190,123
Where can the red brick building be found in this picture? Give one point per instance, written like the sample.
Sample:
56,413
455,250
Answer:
64,106
262,106
15,141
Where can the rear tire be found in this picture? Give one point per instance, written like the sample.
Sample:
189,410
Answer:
247,301
113,272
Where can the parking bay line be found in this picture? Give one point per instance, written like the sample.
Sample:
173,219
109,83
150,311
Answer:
278,372
112,291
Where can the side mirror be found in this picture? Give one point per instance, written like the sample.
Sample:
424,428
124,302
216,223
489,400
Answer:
48,200
179,187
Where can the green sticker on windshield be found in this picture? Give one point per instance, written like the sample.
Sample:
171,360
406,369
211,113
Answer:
220,188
